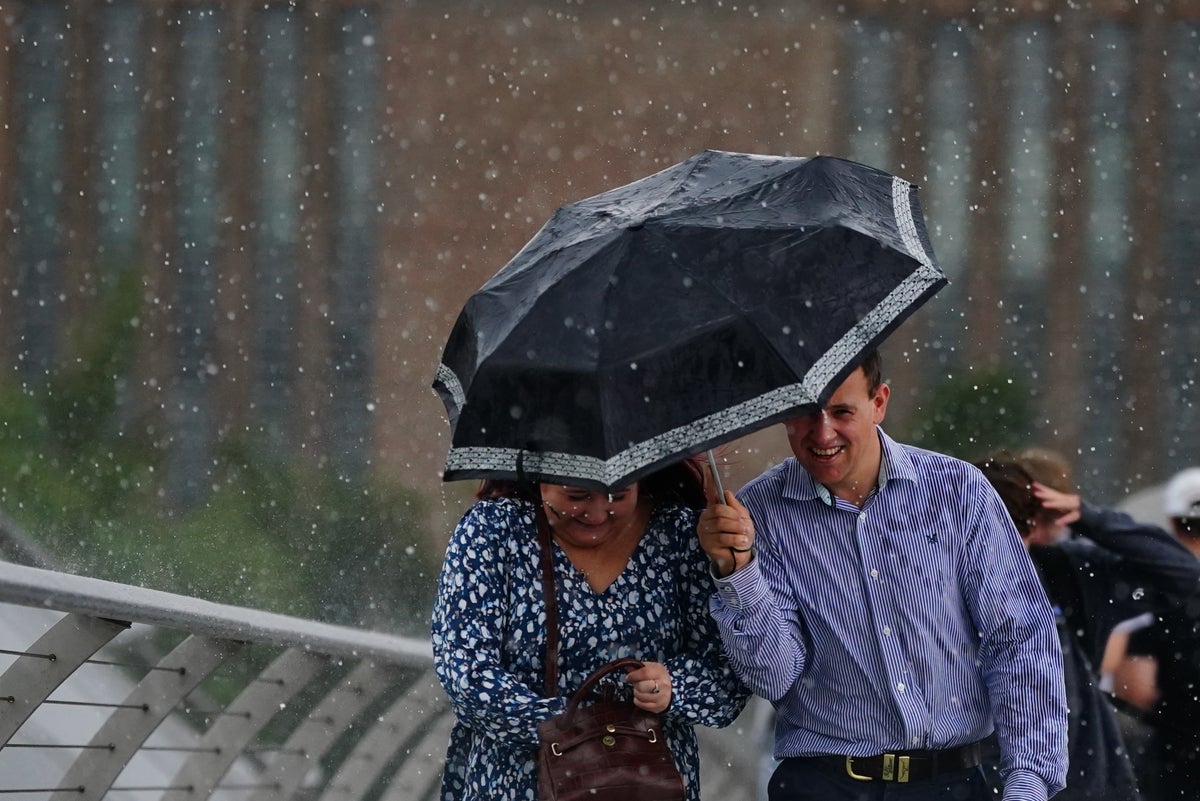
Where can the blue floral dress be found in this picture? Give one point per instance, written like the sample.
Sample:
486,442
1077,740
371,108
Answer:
489,640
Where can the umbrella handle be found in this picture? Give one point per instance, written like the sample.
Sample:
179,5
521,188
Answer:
716,474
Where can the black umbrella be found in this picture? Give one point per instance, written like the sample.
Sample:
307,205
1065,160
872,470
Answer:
681,311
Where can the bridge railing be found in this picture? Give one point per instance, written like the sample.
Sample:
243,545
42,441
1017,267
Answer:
114,691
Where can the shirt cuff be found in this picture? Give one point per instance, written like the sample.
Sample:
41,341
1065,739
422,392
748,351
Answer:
1024,785
743,588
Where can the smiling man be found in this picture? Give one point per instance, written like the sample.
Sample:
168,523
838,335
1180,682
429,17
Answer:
879,596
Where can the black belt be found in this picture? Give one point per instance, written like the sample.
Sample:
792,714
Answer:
904,766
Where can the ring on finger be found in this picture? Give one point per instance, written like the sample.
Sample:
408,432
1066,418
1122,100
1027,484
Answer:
656,690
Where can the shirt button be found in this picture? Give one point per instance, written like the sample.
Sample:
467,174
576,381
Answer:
874,573
900,687
862,515
916,740
887,631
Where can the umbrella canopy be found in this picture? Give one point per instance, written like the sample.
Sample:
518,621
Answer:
679,312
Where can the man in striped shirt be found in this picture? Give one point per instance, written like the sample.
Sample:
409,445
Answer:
880,598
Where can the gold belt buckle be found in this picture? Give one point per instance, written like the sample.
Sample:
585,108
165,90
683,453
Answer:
850,771
894,770
890,766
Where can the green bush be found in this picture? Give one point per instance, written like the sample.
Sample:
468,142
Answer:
972,414
272,535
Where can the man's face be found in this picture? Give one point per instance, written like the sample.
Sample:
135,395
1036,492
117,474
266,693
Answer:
839,445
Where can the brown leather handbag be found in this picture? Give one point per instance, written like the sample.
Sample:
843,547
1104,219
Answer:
606,750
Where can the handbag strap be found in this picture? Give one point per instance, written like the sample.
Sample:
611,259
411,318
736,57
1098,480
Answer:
546,546
625,663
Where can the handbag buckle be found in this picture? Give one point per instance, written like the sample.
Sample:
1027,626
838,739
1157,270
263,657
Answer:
554,749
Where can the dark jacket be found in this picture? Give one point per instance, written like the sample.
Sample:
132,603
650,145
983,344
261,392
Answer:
1114,568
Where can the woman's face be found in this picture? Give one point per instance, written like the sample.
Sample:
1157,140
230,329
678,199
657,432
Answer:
585,518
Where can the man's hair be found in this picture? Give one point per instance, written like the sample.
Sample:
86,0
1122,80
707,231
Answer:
872,367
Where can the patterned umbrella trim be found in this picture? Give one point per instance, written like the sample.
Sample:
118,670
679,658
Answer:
448,379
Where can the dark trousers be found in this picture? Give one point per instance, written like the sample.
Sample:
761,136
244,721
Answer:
809,780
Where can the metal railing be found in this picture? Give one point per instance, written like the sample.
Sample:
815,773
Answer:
109,690
240,703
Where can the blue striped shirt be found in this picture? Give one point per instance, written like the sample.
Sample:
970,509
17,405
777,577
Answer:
917,621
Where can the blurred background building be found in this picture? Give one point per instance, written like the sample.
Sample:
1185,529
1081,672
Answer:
252,224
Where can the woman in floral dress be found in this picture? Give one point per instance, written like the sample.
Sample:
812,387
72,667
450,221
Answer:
631,582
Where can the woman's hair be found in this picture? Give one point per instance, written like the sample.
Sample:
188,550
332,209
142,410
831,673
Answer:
1047,467
1014,485
492,488
680,483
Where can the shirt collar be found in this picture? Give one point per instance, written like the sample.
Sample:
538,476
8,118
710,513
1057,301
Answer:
897,462
894,463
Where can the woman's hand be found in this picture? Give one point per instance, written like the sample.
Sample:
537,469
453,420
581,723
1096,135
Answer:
1063,508
726,534
651,686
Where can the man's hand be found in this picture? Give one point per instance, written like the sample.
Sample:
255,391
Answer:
726,534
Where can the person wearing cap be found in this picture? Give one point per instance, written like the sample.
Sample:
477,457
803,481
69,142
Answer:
1182,496
1168,653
